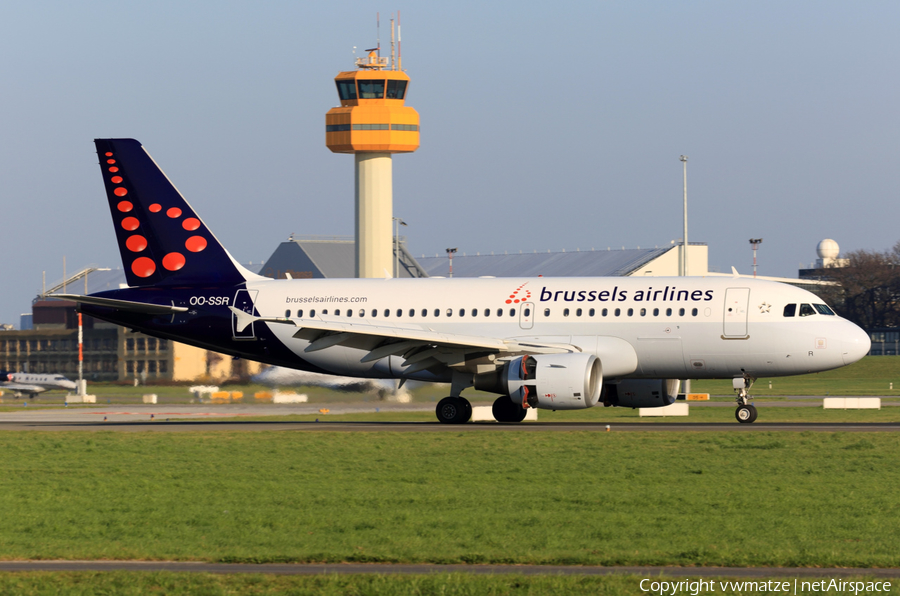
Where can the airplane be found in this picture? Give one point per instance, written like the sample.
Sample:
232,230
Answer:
547,343
32,384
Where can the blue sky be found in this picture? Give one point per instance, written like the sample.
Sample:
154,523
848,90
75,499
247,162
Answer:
551,126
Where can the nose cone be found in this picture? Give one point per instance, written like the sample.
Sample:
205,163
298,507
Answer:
856,344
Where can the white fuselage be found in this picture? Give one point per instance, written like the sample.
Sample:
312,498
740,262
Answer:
651,327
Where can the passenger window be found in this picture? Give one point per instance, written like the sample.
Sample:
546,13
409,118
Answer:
324,311
618,311
643,312
499,312
512,312
487,312
578,313
694,312
527,312
604,312
287,314
565,312
546,312
655,312
449,312
680,312
790,310
474,312
349,312
591,312
362,313
312,313
806,310
437,312
387,312
374,313
399,312
300,314
337,312
630,312
824,309
462,312
412,312
424,312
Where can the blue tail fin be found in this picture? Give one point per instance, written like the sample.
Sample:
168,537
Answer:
161,238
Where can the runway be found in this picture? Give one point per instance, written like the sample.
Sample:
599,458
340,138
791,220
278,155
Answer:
412,569
230,417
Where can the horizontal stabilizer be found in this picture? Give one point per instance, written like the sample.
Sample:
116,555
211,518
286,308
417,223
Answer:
126,305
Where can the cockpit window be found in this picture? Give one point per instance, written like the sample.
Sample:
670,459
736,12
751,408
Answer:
396,89
806,310
790,310
824,309
371,89
347,89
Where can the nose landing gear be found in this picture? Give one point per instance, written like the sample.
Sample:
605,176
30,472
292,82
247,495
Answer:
745,412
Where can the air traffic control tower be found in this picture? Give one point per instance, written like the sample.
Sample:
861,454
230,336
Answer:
373,123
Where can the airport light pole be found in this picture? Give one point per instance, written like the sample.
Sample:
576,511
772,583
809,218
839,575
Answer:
450,253
754,244
684,248
684,243
397,223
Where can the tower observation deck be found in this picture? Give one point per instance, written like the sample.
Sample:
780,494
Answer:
373,123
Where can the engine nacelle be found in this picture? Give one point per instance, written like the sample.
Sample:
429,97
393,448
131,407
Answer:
641,393
549,381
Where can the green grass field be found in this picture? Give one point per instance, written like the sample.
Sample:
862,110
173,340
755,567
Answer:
454,584
776,499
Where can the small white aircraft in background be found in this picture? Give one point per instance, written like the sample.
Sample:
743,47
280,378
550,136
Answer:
31,384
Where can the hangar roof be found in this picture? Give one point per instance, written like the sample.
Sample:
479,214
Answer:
591,263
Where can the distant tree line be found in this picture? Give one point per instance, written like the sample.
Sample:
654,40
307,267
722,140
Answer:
868,288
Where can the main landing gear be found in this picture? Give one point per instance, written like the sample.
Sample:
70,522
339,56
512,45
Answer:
453,410
745,412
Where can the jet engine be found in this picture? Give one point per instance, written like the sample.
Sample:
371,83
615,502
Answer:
641,393
549,381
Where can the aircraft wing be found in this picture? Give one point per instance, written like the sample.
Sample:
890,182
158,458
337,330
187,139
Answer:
22,387
421,347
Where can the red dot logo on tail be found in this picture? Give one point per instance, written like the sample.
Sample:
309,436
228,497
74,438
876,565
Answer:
174,212
173,261
143,267
130,224
195,243
136,243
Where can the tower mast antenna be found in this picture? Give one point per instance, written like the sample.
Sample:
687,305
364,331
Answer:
393,55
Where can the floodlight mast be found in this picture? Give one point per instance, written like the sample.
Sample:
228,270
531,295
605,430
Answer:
754,244
450,253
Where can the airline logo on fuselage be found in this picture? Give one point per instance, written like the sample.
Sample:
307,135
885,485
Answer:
666,294
520,294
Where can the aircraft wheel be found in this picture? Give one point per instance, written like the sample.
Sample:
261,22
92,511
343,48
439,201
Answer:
453,410
505,410
745,414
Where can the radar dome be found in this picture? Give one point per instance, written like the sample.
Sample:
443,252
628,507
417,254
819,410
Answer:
828,249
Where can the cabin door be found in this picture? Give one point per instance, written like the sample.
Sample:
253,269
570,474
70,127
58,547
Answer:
737,301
